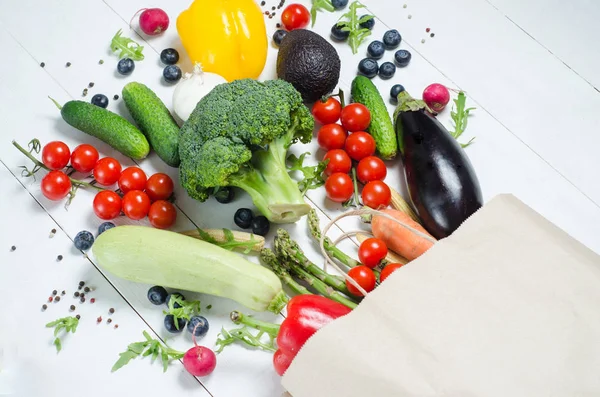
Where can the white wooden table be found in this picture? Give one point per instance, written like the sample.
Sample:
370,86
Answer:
529,68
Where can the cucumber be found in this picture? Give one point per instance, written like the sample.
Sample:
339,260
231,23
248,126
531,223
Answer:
159,257
155,121
106,126
381,128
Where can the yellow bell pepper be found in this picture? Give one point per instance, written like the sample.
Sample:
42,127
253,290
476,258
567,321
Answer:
227,37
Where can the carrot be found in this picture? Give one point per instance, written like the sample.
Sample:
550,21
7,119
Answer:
398,238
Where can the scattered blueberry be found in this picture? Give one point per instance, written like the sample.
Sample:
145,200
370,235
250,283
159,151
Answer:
387,70
339,4
170,324
338,34
84,240
169,56
178,295
367,24
100,100
224,195
392,39
201,325
260,225
402,57
278,36
395,91
125,66
157,295
172,73
243,218
104,227
368,67
376,49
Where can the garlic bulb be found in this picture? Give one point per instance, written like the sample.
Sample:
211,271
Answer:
192,88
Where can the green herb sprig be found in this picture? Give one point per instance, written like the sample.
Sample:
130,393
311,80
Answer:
460,116
186,311
318,5
149,347
127,47
313,174
68,324
357,34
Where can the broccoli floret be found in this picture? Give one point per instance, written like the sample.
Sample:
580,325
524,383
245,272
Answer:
239,135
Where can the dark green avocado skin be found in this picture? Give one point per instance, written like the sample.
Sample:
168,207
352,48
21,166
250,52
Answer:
310,63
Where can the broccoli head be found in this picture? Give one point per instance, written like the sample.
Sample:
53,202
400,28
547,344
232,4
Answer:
239,135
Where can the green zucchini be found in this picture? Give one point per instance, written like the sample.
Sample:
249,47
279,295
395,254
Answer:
155,121
159,257
381,127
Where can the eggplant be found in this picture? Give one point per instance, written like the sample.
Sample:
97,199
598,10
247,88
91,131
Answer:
442,183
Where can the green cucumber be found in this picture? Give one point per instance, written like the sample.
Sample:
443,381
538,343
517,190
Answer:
106,126
381,127
155,121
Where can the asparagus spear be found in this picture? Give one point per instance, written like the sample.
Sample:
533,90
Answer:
315,231
268,258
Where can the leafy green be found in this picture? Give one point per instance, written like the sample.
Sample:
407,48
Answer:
230,242
318,5
357,34
145,348
187,309
243,335
68,324
127,46
460,116
313,174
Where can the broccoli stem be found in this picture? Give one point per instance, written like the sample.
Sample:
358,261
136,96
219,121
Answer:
268,258
315,231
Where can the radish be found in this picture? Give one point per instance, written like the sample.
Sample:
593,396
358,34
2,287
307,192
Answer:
153,21
436,96
200,361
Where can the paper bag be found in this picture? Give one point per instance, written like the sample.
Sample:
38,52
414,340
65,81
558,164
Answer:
509,305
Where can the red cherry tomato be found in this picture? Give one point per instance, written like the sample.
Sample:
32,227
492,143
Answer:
364,277
162,214
371,252
295,16
360,145
339,187
355,117
136,205
107,171
327,112
332,136
56,185
107,205
84,158
159,187
132,178
376,194
389,269
371,169
338,162
55,155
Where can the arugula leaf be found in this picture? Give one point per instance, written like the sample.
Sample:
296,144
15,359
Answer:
313,175
352,23
243,335
460,117
127,46
318,5
148,347
69,324
57,344
187,309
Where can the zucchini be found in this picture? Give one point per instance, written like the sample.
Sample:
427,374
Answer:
381,127
159,257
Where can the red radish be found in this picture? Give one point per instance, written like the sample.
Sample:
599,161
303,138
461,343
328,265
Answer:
436,96
200,361
153,21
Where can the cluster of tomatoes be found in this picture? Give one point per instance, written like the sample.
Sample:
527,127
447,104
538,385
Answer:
344,143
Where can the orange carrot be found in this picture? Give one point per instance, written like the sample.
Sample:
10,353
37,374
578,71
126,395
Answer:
398,238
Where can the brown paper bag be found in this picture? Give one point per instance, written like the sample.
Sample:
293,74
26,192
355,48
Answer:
508,306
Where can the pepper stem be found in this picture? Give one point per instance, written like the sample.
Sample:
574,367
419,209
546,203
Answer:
268,328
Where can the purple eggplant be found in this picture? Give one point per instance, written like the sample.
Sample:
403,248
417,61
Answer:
442,183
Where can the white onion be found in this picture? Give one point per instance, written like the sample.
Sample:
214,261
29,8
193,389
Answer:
192,88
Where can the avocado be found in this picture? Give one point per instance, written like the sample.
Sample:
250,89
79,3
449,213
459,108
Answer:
309,62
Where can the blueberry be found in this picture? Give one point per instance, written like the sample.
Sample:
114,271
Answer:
224,195
178,295
376,49
84,240
368,67
201,325
260,225
104,227
339,4
367,24
278,36
338,34
157,295
172,73
100,100
170,324
243,218
169,56
387,70
402,57
125,66
395,91
392,39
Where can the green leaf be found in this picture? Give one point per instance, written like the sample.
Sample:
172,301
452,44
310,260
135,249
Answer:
244,336
149,347
137,347
124,359
313,175
127,47
57,344
460,117
165,360
366,18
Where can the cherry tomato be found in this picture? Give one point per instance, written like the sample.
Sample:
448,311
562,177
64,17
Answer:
136,204
295,16
327,112
107,171
132,178
55,155
371,169
339,187
376,194
389,269
107,205
159,187
371,252
364,277
356,117
162,214
84,158
338,162
360,145
56,185
332,136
